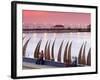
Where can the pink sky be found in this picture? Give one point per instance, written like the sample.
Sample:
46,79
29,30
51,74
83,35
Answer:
47,17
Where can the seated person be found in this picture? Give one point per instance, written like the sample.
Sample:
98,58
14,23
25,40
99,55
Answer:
75,61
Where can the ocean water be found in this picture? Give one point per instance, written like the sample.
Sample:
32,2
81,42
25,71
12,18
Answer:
77,39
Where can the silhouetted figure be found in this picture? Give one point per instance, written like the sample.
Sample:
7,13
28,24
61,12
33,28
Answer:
40,59
75,61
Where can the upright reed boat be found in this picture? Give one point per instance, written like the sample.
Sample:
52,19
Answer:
65,58
37,49
25,46
59,52
89,58
52,51
45,51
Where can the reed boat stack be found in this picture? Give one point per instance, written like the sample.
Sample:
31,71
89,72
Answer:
50,58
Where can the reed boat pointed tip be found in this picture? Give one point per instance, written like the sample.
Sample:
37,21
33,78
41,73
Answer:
23,37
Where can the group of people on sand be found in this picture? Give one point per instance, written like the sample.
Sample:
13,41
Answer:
40,59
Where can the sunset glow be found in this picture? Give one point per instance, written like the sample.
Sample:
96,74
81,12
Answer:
50,17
